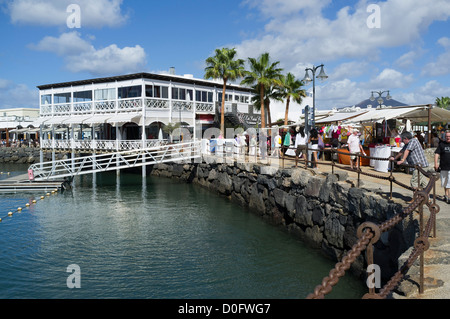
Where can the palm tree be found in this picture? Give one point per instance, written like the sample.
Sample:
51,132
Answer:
223,65
291,89
272,93
264,75
443,102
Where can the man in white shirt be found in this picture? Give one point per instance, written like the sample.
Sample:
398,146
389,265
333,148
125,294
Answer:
354,146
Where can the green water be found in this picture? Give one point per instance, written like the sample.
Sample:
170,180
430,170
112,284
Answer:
151,238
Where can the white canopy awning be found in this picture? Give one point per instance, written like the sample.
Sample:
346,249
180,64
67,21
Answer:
378,115
336,117
98,119
40,121
122,118
420,115
57,120
77,119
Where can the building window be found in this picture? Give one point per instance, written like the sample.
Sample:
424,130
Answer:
105,94
84,96
228,97
46,99
157,91
129,92
182,94
203,96
62,98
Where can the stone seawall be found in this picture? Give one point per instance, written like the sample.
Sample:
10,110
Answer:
324,211
25,155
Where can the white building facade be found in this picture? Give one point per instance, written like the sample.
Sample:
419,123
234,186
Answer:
130,111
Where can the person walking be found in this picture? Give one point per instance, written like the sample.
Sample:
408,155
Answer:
314,142
300,144
287,141
354,147
277,146
412,153
442,164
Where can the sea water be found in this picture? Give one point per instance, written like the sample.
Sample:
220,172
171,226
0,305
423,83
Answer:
131,237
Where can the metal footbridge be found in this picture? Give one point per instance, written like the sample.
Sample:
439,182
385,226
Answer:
98,163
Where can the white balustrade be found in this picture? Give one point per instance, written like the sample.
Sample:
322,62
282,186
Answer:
204,107
61,108
82,107
157,103
130,104
105,106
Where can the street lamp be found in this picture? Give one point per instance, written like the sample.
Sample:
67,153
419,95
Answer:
380,98
307,79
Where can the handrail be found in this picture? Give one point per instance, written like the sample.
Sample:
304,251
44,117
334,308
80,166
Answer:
115,161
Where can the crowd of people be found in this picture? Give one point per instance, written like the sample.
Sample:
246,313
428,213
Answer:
295,141
19,143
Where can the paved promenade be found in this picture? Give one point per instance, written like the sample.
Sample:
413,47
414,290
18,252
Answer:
437,258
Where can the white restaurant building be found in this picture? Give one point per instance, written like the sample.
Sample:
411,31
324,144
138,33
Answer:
129,111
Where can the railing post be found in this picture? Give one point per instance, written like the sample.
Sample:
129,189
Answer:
421,262
434,203
391,179
418,177
357,166
332,161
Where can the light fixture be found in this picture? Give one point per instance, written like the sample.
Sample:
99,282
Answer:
388,96
322,76
307,79
380,99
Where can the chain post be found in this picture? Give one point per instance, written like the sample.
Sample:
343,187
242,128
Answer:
391,179
421,262
357,167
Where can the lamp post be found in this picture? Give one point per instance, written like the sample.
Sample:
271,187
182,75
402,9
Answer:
380,98
307,79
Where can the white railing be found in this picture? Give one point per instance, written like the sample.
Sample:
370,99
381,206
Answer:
130,104
204,107
82,107
104,106
157,103
114,161
61,108
46,109
101,145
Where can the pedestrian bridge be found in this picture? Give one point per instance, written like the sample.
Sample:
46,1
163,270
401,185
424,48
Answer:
114,161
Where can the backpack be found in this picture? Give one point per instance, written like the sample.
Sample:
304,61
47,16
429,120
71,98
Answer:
321,144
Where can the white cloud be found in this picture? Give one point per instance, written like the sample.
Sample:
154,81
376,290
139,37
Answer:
82,56
350,69
425,94
441,66
14,95
392,79
283,8
315,38
96,13
67,44
110,60
408,59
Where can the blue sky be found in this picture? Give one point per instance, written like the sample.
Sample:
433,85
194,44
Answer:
406,49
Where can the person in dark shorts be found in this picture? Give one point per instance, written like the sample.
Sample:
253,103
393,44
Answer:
442,164
301,140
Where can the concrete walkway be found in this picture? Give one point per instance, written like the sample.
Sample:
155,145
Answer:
437,258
